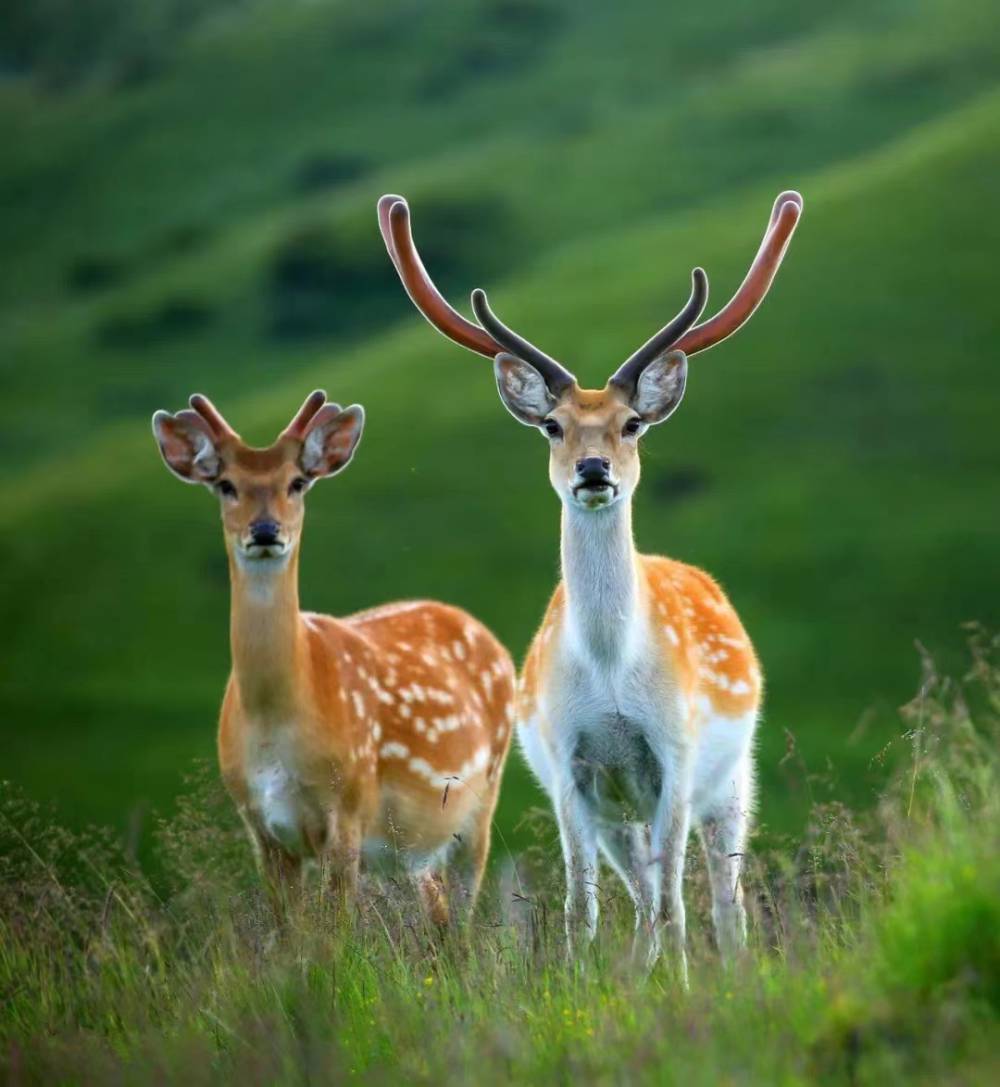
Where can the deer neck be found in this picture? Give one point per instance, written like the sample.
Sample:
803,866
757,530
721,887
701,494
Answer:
604,602
267,636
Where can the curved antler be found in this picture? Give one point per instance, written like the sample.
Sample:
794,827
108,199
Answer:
491,336
312,404
627,375
556,376
490,340
394,221
785,215
218,426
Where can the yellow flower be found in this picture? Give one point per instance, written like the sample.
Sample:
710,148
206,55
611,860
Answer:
429,980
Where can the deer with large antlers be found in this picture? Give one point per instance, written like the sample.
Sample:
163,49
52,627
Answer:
640,692
384,733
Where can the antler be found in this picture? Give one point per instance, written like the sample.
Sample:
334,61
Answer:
627,375
219,428
303,417
491,336
492,339
557,377
784,218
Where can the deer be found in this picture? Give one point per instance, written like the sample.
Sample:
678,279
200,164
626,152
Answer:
640,693
381,736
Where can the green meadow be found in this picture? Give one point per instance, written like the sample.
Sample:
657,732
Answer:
187,203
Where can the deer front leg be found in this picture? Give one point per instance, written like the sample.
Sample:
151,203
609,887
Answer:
669,846
343,859
626,848
281,871
468,862
579,844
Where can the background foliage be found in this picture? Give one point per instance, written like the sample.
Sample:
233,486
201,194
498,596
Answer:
187,200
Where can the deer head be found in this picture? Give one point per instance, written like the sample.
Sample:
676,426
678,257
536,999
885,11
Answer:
593,434
261,491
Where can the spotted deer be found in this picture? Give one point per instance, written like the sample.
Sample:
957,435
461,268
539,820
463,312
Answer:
384,733
640,693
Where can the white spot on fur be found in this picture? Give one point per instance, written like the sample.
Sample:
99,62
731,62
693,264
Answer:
394,750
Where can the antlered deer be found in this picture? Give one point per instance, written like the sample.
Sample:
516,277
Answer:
640,693
384,732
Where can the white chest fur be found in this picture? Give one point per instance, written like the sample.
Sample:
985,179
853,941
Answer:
612,732
282,805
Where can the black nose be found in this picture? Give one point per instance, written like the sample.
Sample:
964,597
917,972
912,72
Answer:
593,469
264,533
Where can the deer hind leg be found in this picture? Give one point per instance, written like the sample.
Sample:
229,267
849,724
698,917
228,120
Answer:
723,830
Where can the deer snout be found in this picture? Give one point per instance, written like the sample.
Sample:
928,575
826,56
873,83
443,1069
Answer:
593,469
264,533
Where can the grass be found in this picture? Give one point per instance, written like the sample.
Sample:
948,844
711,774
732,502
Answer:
874,953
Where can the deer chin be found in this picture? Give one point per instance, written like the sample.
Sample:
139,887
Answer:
596,497
262,555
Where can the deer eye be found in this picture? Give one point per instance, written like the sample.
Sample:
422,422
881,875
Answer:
225,488
552,428
633,426
298,485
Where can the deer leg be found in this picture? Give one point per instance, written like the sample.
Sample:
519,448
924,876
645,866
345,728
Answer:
723,832
467,862
669,847
343,859
579,844
626,848
433,896
282,872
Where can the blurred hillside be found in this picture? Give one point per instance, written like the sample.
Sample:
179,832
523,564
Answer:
188,204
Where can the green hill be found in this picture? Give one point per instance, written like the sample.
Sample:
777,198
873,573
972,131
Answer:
213,228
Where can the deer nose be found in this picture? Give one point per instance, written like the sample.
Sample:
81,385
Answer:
265,533
593,469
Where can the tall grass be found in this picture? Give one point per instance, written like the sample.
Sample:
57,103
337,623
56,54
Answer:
874,952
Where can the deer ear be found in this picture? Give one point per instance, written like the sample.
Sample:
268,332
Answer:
187,448
522,390
660,387
330,440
